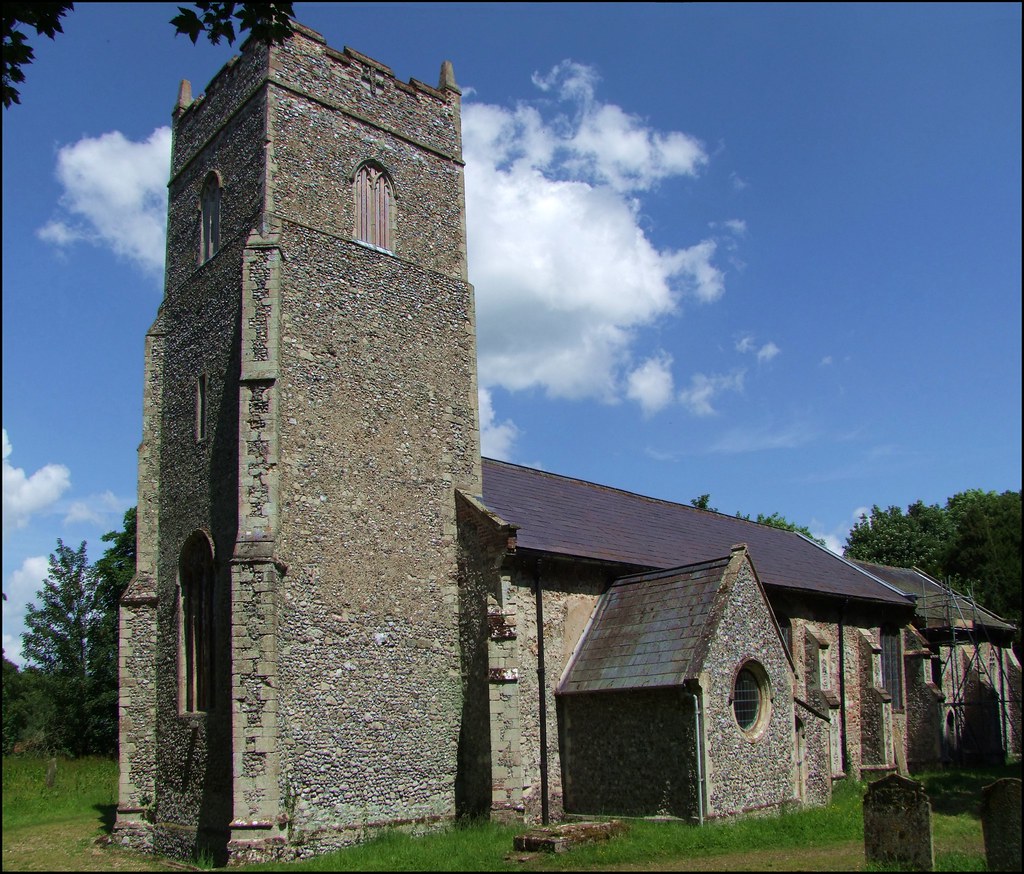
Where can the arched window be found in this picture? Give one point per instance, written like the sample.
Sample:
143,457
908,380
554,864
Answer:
375,203
209,237
196,579
892,666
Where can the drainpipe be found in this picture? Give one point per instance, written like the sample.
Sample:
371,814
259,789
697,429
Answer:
700,758
1002,708
842,688
542,693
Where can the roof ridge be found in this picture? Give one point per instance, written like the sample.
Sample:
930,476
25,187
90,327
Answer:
641,496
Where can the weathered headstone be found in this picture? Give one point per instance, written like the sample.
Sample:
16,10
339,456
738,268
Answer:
898,824
1000,823
51,773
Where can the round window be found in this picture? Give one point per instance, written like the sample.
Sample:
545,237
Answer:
746,700
750,699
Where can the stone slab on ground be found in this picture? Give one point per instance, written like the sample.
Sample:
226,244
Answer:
564,837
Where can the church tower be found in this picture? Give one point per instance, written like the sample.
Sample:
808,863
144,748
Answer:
290,668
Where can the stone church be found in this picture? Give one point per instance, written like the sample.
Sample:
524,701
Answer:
344,619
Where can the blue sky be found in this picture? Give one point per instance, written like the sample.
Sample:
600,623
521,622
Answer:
766,252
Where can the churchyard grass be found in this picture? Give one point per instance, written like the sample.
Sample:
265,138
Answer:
57,829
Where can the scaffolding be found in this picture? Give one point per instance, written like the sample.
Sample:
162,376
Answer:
972,670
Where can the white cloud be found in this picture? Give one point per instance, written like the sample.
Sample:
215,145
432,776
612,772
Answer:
750,439
559,255
21,588
703,390
26,581
496,439
114,195
563,270
835,538
766,352
26,495
651,384
96,509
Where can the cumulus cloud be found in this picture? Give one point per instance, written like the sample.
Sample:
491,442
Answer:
651,384
564,273
496,438
25,495
114,195
21,588
704,389
564,270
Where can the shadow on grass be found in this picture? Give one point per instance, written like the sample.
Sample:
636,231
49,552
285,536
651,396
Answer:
108,815
956,792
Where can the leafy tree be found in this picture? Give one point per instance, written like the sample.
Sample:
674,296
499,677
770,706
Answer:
974,543
113,572
68,699
777,520
703,502
29,712
267,22
57,642
985,552
17,53
918,538
13,713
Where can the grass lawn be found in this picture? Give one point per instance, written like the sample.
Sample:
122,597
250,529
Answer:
61,828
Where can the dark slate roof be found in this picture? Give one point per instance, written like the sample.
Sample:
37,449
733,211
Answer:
647,631
933,599
571,517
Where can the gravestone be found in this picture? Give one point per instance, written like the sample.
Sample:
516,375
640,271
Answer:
1000,823
898,824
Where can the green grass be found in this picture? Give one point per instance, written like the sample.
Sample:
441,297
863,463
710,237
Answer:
81,805
87,784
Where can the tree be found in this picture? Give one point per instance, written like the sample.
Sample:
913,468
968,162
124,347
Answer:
703,502
919,538
777,520
267,22
113,572
973,543
57,642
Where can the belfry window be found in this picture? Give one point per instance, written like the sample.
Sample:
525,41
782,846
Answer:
892,666
209,237
196,580
374,206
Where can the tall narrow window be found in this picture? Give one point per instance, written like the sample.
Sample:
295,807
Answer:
209,241
196,577
202,385
374,202
892,666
